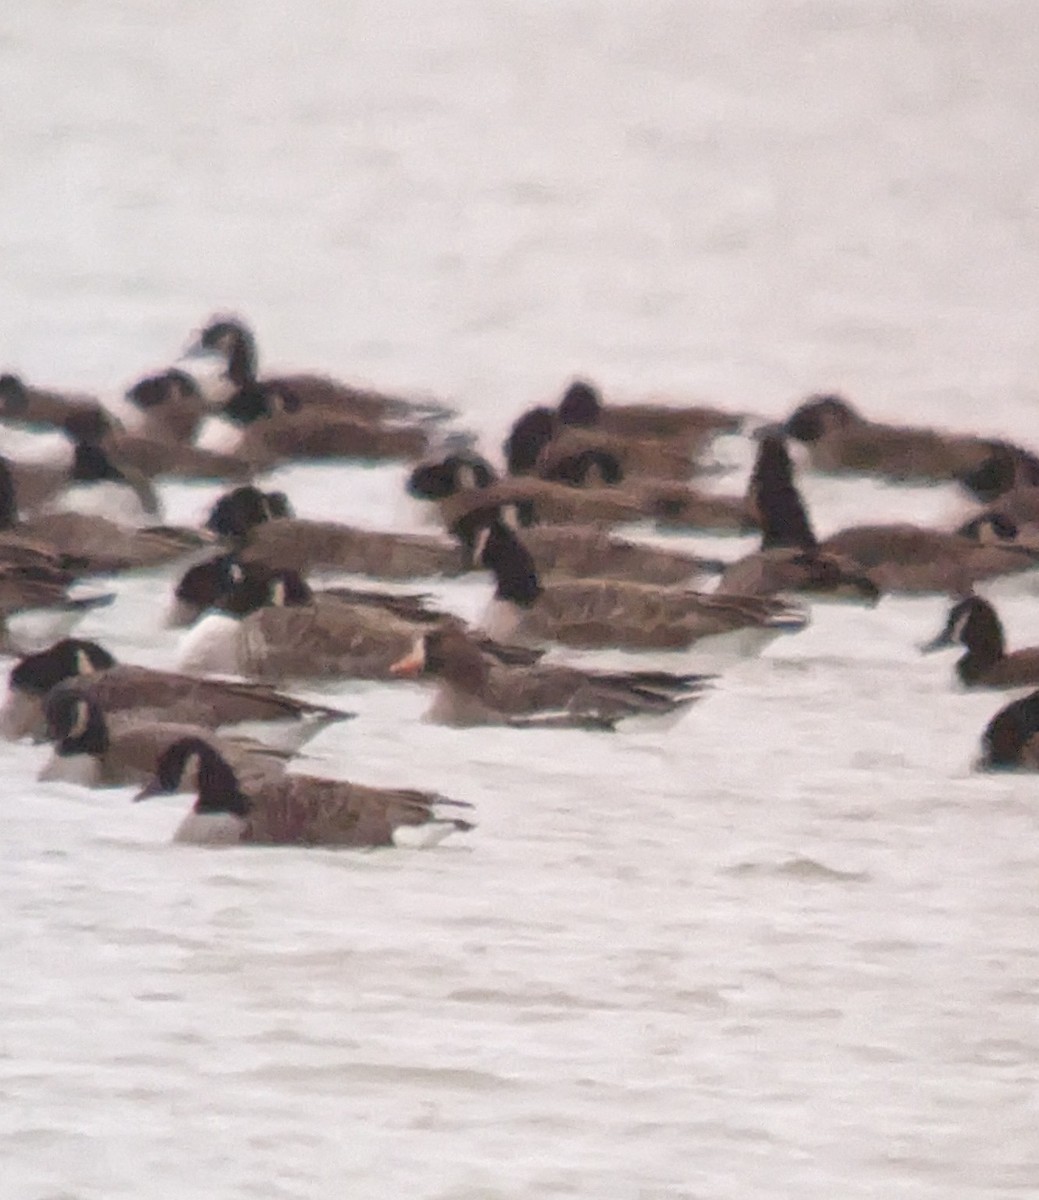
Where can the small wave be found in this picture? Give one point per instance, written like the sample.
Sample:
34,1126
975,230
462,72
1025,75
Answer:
799,868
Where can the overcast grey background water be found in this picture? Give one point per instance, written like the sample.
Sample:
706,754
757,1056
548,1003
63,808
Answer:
785,948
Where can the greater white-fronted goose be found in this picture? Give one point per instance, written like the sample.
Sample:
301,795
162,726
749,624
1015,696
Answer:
898,557
790,558
270,625
233,343
838,439
473,689
165,695
260,529
974,624
592,613
293,810
100,752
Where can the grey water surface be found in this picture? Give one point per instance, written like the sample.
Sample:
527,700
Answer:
783,948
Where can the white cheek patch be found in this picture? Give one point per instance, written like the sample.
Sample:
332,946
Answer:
83,664
465,477
278,593
82,719
959,625
480,545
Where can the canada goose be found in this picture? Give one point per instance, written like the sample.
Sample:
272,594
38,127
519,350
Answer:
897,558
840,440
37,406
1017,510
270,625
260,529
694,426
87,543
204,584
269,424
539,446
120,687
790,558
1007,470
475,690
1011,739
143,457
291,810
92,479
170,406
974,624
34,588
233,343
592,613
98,752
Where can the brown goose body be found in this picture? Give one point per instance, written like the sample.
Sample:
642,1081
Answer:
295,544
314,433
473,689
122,688
41,407
123,750
909,559
784,570
292,810
638,456
590,613
840,440
585,552
99,546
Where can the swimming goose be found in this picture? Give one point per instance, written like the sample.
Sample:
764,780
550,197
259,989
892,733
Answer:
34,588
234,345
693,425
118,687
591,613
270,625
292,810
473,689
974,624
92,479
99,751
539,443
790,558
88,543
269,424
142,457
896,558
206,583
170,406
840,440
1006,470
1011,739
38,406
260,528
